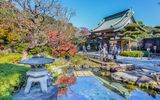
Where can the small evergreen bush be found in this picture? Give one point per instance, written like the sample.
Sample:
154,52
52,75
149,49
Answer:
134,53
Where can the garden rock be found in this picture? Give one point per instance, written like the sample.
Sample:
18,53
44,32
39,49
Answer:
143,80
122,76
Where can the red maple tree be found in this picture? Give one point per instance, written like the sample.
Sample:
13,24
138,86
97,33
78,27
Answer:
61,44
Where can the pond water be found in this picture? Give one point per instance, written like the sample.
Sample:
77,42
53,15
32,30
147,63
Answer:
90,88
140,95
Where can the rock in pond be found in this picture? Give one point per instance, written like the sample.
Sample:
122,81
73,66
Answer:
123,76
143,80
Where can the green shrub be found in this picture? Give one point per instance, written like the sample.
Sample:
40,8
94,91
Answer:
57,63
134,53
11,58
47,50
21,47
76,60
145,54
12,78
55,77
37,50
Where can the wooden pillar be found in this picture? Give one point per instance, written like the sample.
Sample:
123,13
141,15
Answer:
102,39
122,45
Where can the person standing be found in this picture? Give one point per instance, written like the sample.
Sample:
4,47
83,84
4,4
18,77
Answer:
88,47
119,50
104,51
84,49
115,51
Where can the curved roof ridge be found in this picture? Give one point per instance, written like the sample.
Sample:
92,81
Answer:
104,19
116,14
143,29
123,25
121,18
100,24
115,21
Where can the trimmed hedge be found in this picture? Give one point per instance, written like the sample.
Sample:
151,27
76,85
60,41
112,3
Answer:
12,76
134,53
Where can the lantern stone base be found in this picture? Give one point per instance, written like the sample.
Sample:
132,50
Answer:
36,94
37,77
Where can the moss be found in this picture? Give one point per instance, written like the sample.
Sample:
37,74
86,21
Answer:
146,86
111,64
130,82
151,86
131,87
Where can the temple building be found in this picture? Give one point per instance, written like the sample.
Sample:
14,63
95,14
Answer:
152,43
109,30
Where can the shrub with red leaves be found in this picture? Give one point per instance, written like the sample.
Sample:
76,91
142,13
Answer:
65,81
61,44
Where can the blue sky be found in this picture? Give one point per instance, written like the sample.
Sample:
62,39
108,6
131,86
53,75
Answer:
90,12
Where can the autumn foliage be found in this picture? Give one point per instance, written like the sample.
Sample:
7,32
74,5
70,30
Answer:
68,80
60,44
65,81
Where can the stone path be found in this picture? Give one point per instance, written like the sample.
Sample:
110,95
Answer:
83,73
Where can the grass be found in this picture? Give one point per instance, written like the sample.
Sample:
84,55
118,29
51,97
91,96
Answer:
12,75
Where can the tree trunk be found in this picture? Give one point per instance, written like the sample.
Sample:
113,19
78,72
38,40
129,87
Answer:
129,45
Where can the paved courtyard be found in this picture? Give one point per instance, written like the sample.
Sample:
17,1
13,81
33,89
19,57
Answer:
143,63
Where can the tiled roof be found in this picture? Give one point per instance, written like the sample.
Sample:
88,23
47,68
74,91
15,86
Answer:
116,21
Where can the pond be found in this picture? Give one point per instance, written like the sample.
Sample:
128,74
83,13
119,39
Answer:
90,88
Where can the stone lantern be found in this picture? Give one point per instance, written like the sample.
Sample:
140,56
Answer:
37,74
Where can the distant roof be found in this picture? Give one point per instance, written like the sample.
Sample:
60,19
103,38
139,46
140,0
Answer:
116,21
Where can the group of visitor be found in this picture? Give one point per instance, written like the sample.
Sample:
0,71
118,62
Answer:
114,50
